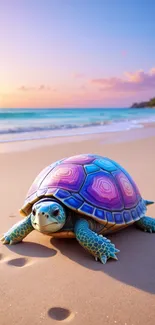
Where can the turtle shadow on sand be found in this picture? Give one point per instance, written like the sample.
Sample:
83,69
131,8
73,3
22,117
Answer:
32,250
136,260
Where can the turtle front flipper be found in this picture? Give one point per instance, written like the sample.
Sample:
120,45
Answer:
18,232
97,245
146,223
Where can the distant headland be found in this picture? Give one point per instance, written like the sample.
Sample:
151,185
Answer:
150,103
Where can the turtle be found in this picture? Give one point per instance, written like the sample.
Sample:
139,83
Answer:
86,197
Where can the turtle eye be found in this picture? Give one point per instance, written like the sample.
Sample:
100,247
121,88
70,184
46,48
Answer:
56,212
34,212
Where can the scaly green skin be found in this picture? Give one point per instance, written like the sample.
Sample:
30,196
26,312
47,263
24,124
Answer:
18,232
146,224
97,245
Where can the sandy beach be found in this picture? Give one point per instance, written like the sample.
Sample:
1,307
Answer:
44,281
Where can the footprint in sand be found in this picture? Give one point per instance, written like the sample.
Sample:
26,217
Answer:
60,314
18,262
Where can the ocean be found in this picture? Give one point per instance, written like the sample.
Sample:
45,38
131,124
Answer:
30,124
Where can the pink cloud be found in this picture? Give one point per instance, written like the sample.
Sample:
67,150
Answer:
40,88
24,88
43,87
134,82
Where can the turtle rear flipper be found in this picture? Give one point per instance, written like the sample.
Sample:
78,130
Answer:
147,224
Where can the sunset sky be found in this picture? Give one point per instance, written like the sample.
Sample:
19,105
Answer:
76,53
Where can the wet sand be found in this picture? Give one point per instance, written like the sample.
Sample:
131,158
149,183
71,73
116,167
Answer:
44,281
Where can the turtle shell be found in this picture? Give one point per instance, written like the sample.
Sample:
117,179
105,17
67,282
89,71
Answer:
93,185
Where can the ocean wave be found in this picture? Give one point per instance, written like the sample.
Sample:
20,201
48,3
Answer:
53,127
33,129
32,133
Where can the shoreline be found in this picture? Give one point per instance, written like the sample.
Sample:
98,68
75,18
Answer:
33,126
148,130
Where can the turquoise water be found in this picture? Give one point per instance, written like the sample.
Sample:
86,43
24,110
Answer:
22,124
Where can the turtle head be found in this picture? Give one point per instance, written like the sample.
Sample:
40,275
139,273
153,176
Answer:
48,216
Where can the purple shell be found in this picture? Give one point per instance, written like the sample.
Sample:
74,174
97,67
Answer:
94,185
